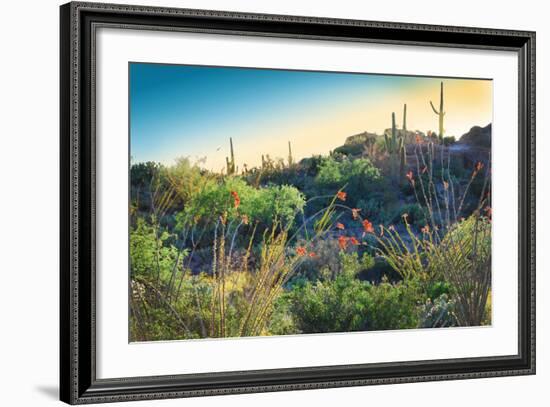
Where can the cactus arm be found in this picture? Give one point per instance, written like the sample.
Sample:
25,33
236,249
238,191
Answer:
434,109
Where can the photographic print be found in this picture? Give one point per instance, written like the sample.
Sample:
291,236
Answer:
283,202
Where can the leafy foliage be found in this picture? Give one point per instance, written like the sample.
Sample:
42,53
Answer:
358,304
264,205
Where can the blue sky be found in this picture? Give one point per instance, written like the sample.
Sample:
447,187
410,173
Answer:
178,110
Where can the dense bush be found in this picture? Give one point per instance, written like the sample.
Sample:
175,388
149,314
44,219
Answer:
359,175
263,205
358,304
393,306
150,252
315,305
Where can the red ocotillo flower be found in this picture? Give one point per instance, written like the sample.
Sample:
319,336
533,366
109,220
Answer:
236,199
340,226
343,242
368,226
301,251
341,195
354,241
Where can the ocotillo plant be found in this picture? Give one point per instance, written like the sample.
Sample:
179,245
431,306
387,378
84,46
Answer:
440,113
230,163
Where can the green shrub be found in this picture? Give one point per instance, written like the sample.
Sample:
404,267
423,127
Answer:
345,303
393,306
355,173
338,305
282,321
150,255
360,179
259,204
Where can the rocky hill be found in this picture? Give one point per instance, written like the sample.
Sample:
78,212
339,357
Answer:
477,136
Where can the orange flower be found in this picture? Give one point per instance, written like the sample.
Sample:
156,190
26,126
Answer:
355,213
368,226
312,254
340,226
343,242
301,251
237,200
425,229
341,195
354,241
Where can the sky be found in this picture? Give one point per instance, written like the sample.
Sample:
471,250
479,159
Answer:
192,111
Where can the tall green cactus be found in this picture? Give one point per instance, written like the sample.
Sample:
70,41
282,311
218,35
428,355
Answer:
395,146
231,169
440,113
290,158
405,120
403,151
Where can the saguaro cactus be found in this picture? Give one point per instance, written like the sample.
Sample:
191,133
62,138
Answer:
290,158
230,163
404,120
395,146
440,113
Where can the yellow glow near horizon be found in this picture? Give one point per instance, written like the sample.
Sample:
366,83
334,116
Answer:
320,129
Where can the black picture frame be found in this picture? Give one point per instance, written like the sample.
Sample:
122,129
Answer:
78,382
